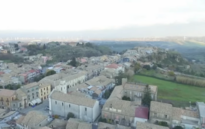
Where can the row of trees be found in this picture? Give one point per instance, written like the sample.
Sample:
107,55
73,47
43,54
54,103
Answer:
11,58
190,81
67,52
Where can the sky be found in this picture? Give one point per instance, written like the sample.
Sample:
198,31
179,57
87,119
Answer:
104,18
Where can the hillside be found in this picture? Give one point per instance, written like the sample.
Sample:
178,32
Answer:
67,52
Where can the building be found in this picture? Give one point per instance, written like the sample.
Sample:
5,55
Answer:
201,111
173,116
44,91
29,75
142,125
32,120
71,81
136,91
119,111
6,97
160,112
141,114
32,91
115,68
83,108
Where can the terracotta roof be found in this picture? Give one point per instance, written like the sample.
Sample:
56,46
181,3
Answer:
159,107
141,112
7,93
114,66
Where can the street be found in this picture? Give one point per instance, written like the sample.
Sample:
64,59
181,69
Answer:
40,108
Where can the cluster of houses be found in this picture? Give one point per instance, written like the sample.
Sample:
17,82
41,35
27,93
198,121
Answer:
118,113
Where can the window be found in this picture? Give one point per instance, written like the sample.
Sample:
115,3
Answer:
28,91
85,111
69,105
62,104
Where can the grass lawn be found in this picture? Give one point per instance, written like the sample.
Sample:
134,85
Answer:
173,91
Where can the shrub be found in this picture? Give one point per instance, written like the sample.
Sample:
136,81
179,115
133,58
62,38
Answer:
70,115
126,98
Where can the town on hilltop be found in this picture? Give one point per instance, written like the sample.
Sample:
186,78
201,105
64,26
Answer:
78,85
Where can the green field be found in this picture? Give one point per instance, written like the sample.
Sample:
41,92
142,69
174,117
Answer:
173,91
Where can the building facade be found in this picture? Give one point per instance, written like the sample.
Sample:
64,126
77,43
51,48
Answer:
83,108
44,91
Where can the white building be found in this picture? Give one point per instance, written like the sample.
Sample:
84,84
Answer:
83,108
71,81
115,68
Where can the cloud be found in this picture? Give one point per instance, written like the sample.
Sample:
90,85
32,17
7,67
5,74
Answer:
80,15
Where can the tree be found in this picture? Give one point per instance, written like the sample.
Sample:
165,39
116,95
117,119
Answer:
50,72
44,46
16,46
162,123
147,96
137,67
147,67
171,73
70,115
126,98
73,62
178,127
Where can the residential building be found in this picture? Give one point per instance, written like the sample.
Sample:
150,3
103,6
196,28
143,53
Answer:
32,91
115,68
141,115
22,100
44,91
173,116
142,125
201,111
136,91
160,112
6,97
119,111
71,81
32,120
83,108
29,75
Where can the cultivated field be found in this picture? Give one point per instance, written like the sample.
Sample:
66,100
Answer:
173,91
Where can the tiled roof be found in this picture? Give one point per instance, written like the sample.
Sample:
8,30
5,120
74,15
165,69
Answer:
114,66
142,112
163,108
57,95
7,93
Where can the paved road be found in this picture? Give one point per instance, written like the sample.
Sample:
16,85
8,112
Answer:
40,108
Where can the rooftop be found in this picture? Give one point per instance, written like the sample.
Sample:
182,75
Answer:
57,95
201,106
159,107
32,118
113,66
30,85
137,87
7,93
142,112
77,124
